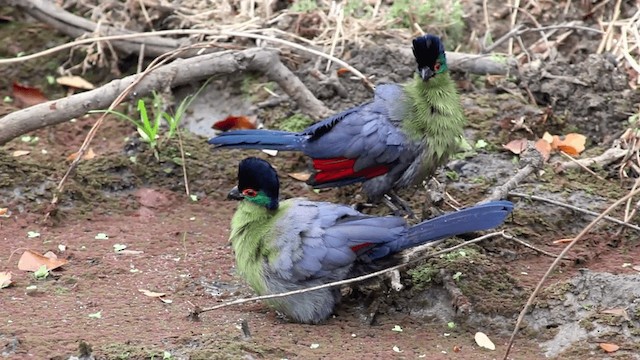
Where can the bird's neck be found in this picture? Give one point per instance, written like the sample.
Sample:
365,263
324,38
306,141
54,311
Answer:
435,115
251,227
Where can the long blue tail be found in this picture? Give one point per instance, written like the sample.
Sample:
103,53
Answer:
260,139
475,218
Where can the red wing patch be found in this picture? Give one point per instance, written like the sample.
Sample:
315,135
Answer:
360,246
336,169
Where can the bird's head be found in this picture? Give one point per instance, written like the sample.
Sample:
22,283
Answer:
257,182
430,56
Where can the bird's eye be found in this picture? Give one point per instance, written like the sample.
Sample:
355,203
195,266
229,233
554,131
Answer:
249,192
436,67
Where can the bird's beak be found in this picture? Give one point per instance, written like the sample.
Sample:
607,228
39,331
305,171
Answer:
234,194
426,73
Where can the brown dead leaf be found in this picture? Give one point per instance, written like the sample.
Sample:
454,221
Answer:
75,82
635,267
342,71
26,96
516,146
608,347
547,137
50,255
31,261
18,153
563,241
300,176
572,144
4,211
5,279
88,155
233,122
151,293
544,148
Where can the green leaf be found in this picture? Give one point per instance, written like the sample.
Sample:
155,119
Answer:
97,315
119,247
194,198
480,144
457,276
41,273
451,325
33,234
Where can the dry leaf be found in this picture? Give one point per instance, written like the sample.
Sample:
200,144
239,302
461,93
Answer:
547,137
270,152
544,148
5,279
75,82
572,144
516,146
233,122
635,267
26,96
31,261
300,176
483,341
4,211
20,153
342,71
563,241
88,155
608,347
50,255
151,293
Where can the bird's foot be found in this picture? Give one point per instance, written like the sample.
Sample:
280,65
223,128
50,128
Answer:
398,206
361,206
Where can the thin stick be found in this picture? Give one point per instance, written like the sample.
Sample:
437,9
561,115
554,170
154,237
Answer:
574,208
543,252
184,164
198,311
555,264
514,17
584,167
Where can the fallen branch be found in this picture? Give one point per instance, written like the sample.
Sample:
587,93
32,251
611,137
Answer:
197,311
532,160
606,158
76,26
179,72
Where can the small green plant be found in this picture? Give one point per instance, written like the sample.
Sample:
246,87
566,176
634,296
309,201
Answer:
304,6
42,273
148,124
295,123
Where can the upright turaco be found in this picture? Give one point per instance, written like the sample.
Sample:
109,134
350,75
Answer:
396,140
296,243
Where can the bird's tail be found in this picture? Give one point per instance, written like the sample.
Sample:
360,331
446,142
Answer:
259,139
475,218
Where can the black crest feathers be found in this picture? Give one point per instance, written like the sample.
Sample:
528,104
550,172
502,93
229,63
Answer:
259,175
427,49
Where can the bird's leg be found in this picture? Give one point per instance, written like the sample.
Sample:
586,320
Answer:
395,203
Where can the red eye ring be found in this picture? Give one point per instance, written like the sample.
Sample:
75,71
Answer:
249,192
436,67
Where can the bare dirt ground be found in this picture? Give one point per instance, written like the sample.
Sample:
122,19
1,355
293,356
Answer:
92,307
